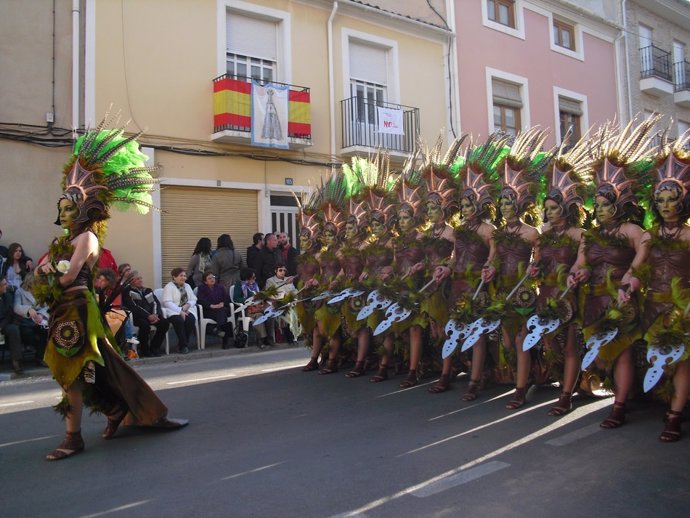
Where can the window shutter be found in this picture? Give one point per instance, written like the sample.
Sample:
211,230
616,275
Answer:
253,37
368,63
569,106
506,94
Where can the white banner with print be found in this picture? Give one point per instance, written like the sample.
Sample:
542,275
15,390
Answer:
390,121
270,115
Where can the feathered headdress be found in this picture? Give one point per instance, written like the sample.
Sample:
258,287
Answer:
522,167
673,171
308,216
106,170
615,151
476,168
570,172
333,195
437,175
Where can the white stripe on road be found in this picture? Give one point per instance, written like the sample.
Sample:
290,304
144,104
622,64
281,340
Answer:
3,445
460,478
255,470
285,367
16,403
472,404
574,436
197,380
116,509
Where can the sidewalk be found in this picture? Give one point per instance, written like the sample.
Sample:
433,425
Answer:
213,349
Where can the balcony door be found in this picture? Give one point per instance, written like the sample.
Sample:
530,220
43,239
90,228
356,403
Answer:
679,63
646,52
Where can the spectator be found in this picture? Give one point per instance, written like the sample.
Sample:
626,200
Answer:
199,262
146,312
107,280
179,300
17,266
8,327
227,262
33,318
253,251
245,288
269,258
288,253
215,299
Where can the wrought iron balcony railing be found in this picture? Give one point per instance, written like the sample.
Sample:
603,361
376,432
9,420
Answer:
232,101
363,128
681,76
655,62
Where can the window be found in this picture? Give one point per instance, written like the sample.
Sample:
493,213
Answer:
563,34
251,50
570,116
507,104
368,96
368,78
501,11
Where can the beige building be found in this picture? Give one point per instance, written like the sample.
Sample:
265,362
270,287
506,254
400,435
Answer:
344,77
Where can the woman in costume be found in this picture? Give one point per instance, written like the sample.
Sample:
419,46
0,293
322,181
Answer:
81,352
516,247
665,316
558,245
473,249
610,256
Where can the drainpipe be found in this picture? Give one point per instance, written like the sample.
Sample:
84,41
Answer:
331,85
75,64
627,57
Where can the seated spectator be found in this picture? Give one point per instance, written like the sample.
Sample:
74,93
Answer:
245,288
17,266
146,312
215,300
226,263
199,263
8,327
33,318
253,251
107,280
179,301
284,286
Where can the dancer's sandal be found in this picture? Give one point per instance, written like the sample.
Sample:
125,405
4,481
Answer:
357,371
518,400
381,375
312,365
114,420
472,390
71,445
671,431
411,379
616,418
442,385
330,368
563,406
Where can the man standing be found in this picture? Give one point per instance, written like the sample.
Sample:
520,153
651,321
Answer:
269,258
8,327
288,253
254,250
147,312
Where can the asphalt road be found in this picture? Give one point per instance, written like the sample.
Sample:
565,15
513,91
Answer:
266,440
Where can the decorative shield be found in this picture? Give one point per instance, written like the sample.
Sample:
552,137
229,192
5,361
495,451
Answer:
456,331
374,301
660,357
596,342
538,327
394,313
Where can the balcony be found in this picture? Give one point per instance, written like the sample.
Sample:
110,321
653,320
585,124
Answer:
232,113
655,71
363,131
681,83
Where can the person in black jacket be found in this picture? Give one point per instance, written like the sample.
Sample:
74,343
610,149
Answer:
288,253
268,259
147,312
254,250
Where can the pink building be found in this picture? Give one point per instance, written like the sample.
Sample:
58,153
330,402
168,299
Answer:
521,64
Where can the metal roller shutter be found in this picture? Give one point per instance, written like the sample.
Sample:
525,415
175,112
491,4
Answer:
190,213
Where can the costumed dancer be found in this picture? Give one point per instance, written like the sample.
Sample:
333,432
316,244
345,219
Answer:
665,317
106,169
564,215
610,256
516,246
473,251
402,284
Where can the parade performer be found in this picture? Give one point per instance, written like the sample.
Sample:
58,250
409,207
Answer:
473,250
106,169
665,316
610,257
559,241
516,246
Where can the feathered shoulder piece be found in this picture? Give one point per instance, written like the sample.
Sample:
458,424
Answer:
617,156
521,168
571,171
107,169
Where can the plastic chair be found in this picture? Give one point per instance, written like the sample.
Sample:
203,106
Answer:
158,292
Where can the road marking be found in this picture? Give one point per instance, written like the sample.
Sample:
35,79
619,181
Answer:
286,367
400,391
116,509
475,405
16,403
460,478
255,470
196,380
27,440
